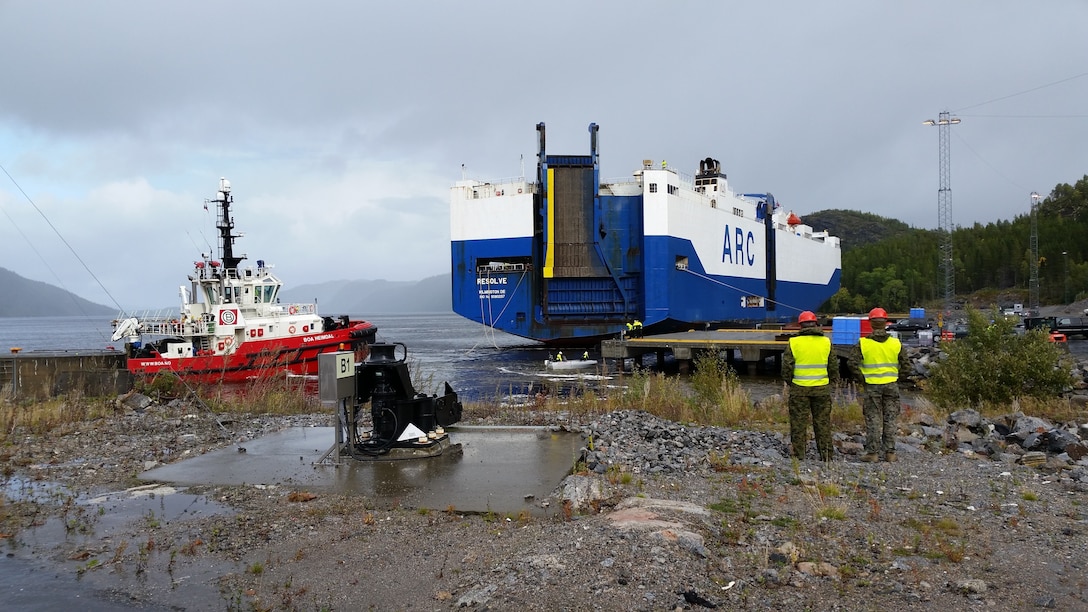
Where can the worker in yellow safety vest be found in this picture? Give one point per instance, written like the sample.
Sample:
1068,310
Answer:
877,361
810,366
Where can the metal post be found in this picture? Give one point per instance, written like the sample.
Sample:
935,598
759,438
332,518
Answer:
1065,294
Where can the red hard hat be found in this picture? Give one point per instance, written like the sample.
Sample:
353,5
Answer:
878,313
807,316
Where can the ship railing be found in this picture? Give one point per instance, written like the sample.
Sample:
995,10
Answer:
174,327
503,187
623,180
685,181
294,309
515,181
165,322
500,266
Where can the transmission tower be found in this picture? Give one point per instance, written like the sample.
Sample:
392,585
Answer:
944,206
1033,284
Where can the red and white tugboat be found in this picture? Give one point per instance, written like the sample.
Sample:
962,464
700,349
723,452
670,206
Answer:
232,326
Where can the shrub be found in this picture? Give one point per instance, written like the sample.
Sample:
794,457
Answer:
994,364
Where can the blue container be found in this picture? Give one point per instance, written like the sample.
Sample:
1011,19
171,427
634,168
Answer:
845,330
917,313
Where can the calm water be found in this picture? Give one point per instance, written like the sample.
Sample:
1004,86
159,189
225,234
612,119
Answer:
479,363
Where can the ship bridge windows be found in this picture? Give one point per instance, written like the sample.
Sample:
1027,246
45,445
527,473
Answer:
701,184
738,211
673,190
653,187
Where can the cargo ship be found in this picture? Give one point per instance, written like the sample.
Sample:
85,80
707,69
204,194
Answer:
231,326
569,259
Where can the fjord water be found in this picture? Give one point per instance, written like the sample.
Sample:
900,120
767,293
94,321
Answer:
478,362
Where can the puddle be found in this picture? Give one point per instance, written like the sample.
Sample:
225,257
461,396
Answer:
37,491
151,502
499,469
67,562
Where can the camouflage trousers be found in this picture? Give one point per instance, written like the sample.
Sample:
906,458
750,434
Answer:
804,405
880,405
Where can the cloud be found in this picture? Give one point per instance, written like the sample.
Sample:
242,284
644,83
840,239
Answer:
342,124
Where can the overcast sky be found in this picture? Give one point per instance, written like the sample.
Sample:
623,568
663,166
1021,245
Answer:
343,124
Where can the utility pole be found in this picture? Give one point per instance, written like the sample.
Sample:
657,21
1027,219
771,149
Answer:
1033,283
944,206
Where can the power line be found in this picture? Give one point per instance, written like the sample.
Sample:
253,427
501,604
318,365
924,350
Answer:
982,159
62,239
1020,93
1028,116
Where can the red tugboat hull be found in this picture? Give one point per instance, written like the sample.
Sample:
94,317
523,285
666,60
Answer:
257,359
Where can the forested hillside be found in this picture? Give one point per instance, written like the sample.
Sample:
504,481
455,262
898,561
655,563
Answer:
856,229
901,268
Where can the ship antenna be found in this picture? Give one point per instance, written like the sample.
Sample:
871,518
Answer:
522,177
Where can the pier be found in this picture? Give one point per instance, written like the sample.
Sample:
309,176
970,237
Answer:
748,349
36,375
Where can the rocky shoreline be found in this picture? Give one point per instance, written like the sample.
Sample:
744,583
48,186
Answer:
986,512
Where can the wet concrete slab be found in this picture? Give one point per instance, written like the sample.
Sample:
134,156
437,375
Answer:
498,469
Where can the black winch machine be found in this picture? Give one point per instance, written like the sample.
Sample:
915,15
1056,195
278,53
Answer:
403,424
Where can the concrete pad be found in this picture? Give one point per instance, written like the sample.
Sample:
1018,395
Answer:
499,469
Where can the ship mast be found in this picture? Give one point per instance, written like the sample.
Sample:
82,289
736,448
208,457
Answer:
225,224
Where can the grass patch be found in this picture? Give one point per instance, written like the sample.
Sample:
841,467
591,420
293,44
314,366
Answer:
728,506
834,512
50,415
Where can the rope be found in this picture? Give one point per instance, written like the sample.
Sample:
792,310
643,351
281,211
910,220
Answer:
489,319
739,290
199,402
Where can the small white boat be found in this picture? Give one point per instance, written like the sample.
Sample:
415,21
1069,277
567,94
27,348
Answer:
569,364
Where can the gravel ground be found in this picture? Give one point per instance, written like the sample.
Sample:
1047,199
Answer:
659,517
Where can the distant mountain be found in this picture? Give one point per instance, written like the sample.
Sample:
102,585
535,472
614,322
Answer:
22,297
370,297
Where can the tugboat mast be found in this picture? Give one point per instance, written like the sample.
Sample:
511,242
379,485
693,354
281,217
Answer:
225,224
